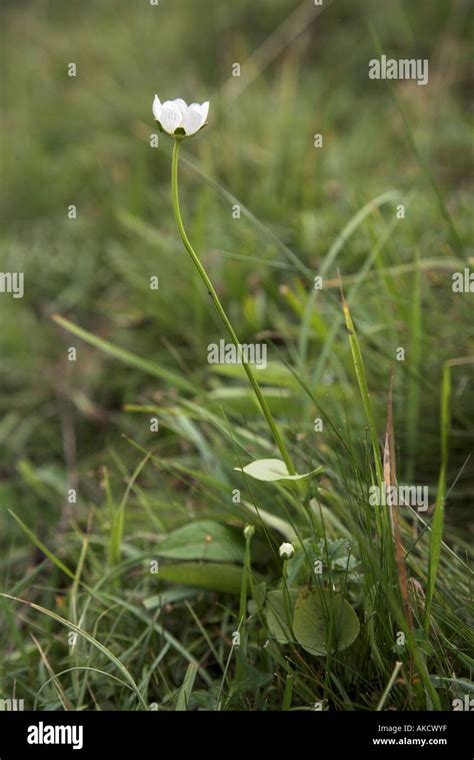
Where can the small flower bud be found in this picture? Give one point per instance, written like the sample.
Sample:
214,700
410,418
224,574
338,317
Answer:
286,551
249,530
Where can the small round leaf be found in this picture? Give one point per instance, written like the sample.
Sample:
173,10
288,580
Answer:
324,622
276,614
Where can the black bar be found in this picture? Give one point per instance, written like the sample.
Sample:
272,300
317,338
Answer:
388,734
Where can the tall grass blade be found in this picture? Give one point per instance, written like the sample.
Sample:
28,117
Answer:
132,360
438,516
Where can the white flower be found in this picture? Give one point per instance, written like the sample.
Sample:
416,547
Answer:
286,551
177,118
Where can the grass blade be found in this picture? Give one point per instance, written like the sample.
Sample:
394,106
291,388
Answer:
186,689
150,368
438,517
101,648
363,387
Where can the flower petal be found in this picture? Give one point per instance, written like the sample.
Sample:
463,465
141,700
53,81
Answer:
171,117
182,105
205,109
193,119
157,108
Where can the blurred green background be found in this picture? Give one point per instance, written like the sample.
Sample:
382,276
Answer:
85,140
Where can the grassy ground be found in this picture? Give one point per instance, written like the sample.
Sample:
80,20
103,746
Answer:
101,625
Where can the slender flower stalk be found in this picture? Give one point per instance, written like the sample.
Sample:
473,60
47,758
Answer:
220,310
286,552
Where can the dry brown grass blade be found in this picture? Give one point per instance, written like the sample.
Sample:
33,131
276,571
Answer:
390,479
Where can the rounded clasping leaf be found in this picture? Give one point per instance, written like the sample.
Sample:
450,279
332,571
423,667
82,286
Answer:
324,622
272,470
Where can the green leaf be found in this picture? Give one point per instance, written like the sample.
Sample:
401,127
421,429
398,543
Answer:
242,399
262,517
170,596
275,373
271,470
205,575
259,595
277,613
461,685
324,622
127,357
186,689
338,562
204,539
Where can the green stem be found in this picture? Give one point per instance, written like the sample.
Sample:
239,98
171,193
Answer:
286,597
220,310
